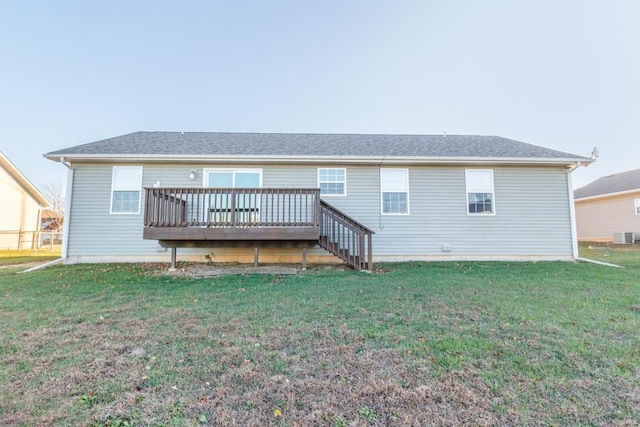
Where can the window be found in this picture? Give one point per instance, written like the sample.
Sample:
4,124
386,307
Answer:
394,185
480,192
247,204
126,182
229,178
332,182
637,203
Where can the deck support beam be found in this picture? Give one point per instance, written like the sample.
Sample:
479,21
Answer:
304,258
174,250
256,253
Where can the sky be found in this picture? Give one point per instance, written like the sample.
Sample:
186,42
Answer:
559,74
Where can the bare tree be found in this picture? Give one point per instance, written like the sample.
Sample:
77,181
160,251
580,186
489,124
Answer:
53,218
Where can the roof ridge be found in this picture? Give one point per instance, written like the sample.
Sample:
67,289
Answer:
319,133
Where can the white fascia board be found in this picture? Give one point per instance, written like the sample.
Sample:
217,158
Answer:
607,195
377,160
23,181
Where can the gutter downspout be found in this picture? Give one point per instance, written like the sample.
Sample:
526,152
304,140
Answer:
572,211
67,209
380,224
65,232
41,266
66,163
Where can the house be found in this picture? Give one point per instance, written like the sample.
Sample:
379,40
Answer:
607,206
21,210
291,197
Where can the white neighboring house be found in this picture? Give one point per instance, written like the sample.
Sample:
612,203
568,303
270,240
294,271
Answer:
21,210
607,206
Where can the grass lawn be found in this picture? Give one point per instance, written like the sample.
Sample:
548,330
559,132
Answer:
44,254
623,255
410,344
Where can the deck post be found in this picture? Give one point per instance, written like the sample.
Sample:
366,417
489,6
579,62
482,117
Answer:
233,208
361,253
174,250
317,218
256,252
304,258
369,252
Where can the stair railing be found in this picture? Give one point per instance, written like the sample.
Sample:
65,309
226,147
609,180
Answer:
345,237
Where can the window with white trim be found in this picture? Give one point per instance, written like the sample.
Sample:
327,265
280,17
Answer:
480,193
637,203
126,185
332,181
233,178
394,187
247,204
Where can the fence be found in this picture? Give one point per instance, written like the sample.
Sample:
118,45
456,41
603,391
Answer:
22,240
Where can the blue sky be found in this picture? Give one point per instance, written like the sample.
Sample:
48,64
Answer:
561,74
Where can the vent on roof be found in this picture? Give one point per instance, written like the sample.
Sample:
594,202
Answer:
623,238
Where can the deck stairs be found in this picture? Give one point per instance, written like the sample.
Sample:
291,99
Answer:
344,237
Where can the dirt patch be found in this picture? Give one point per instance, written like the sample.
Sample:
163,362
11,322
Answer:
22,266
609,245
201,270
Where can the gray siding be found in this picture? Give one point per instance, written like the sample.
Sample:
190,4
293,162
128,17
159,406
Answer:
532,216
92,229
532,210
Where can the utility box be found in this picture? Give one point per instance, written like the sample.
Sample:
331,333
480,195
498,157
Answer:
623,238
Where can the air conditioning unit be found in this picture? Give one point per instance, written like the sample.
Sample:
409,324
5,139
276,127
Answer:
623,238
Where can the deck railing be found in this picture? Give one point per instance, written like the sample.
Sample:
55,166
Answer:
345,237
232,207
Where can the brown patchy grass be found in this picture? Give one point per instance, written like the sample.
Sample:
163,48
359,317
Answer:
413,344
333,382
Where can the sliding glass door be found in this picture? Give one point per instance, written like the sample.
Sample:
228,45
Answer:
238,208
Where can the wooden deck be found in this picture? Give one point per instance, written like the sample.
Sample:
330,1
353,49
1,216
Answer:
221,234
253,217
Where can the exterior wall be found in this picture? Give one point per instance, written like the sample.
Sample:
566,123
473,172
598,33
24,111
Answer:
18,212
532,220
532,216
598,219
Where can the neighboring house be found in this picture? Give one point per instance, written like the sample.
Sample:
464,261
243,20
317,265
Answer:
363,198
609,205
21,210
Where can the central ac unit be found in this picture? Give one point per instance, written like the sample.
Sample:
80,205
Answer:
623,238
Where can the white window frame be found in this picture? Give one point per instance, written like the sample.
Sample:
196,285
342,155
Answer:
132,184
343,182
387,187
233,171
636,202
254,216
470,189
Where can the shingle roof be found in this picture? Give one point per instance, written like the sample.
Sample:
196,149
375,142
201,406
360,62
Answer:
616,183
206,144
